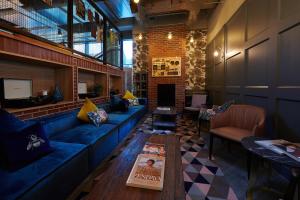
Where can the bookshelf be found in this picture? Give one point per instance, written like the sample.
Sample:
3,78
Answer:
140,82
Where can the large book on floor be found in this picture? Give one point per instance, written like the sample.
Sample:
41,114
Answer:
147,172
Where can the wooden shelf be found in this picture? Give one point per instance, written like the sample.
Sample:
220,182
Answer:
31,60
14,110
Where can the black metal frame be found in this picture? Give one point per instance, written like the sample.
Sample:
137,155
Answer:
69,47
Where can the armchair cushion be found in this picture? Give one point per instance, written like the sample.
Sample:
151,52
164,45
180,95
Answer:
232,133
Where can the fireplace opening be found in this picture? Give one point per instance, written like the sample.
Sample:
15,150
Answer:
166,95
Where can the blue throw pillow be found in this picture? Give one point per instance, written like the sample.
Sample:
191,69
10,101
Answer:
22,147
9,123
99,117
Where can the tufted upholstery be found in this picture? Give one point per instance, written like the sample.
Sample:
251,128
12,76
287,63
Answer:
237,122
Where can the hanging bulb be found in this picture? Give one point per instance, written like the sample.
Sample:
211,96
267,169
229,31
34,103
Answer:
192,40
170,36
136,1
140,37
216,53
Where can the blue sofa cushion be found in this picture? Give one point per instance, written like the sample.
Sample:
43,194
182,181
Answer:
15,184
59,123
9,123
118,118
25,146
84,134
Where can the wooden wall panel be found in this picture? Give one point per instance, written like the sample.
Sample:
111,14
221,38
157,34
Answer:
257,65
264,70
236,31
288,119
234,69
289,45
257,17
289,8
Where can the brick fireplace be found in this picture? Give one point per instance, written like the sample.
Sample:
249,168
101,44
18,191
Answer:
160,46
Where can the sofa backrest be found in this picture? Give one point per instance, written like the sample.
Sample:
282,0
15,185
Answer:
59,122
246,116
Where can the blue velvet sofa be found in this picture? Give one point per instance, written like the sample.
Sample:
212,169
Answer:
78,149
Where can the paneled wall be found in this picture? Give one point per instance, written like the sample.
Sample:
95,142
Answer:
258,62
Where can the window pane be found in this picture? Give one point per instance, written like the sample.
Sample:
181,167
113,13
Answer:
113,45
87,29
127,53
37,17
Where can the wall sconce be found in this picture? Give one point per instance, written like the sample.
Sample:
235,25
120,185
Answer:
136,1
192,40
140,37
170,35
216,53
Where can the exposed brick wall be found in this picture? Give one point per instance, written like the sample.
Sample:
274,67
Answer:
160,46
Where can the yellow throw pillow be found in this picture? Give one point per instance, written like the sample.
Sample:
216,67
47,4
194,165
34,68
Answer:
88,106
128,95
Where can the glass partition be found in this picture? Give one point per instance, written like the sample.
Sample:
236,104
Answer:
113,46
48,19
45,19
87,29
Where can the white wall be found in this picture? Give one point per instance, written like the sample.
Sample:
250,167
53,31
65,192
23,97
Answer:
221,15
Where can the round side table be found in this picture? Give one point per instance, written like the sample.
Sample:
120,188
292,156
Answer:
254,149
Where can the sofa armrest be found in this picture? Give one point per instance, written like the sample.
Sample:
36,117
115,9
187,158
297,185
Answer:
219,120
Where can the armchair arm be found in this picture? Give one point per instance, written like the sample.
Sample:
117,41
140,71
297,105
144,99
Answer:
219,120
259,129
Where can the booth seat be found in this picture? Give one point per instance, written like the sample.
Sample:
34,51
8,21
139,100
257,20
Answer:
67,128
78,149
54,176
127,120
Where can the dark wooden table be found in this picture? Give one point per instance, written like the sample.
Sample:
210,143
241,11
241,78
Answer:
166,118
294,166
112,180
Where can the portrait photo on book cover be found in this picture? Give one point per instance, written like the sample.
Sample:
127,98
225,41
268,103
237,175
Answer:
149,169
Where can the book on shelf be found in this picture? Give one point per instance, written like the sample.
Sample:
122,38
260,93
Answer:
282,147
163,108
154,148
147,172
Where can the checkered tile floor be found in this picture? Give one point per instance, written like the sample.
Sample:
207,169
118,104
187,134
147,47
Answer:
203,179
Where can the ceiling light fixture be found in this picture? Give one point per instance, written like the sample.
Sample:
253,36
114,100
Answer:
136,1
216,53
140,37
170,35
191,40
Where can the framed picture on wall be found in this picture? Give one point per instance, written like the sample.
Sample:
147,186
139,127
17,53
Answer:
166,67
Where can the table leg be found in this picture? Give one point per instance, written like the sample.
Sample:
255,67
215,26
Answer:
199,127
152,121
293,184
249,159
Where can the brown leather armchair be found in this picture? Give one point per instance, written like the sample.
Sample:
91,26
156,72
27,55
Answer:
237,122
